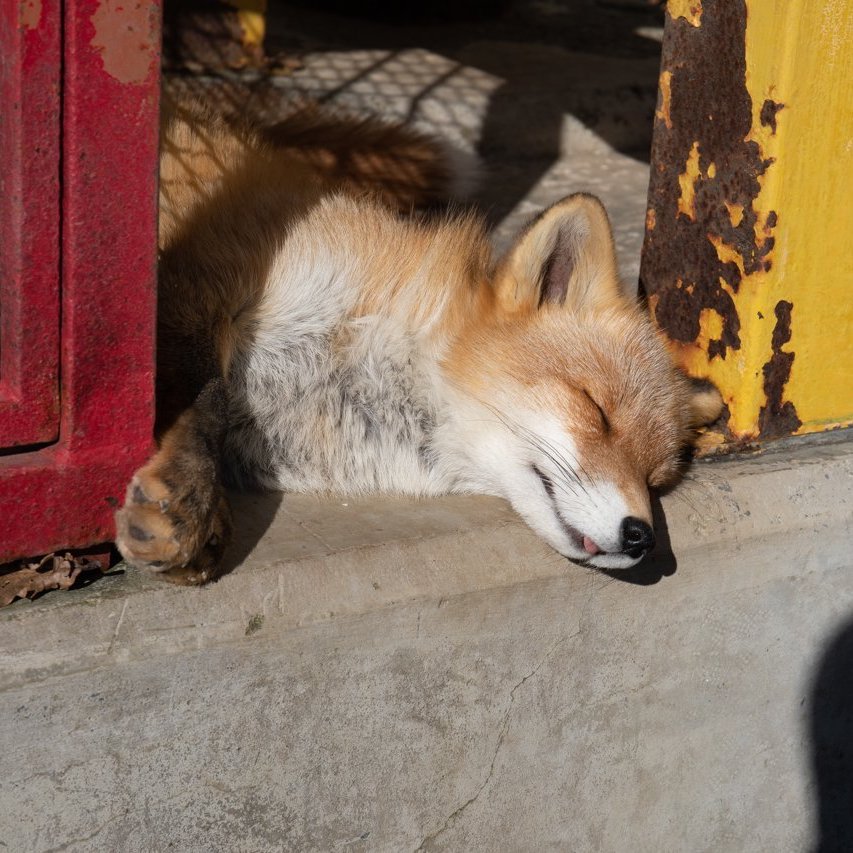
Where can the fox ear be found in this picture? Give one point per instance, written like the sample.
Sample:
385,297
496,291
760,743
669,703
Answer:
565,256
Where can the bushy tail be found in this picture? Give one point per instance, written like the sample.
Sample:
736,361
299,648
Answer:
198,147
403,166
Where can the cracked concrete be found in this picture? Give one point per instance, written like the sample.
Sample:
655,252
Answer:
427,675
428,842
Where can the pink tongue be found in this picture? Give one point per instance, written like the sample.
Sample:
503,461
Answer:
590,547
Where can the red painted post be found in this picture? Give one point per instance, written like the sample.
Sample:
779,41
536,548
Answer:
30,65
64,495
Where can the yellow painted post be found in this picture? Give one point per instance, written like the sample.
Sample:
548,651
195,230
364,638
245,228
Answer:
224,34
748,258
252,17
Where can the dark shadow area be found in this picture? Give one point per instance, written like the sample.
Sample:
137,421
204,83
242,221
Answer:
661,563
592,26
252,513
831,729
556,59
585,58
516,103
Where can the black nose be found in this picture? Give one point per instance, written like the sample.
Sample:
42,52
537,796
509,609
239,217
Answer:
637,537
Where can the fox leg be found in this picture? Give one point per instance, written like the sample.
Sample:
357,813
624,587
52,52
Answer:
176,520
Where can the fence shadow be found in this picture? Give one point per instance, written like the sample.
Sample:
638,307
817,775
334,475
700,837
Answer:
520,71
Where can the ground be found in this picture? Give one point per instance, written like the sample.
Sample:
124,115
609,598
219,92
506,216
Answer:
393,675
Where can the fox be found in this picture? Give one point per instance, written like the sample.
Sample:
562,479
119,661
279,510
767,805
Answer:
318,332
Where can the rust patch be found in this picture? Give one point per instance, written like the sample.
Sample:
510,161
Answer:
126,38
716,244
779,416
767,116
30,14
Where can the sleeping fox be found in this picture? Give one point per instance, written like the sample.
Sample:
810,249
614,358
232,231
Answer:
315,335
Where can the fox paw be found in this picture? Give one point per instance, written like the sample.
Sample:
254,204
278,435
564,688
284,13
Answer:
179,530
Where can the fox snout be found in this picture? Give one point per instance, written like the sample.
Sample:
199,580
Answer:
638,538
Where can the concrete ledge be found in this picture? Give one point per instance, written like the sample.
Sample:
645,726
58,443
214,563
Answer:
389,675
302,560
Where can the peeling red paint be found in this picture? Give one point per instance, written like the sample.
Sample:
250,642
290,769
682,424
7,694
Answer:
126,36
30,67
104,156
30,14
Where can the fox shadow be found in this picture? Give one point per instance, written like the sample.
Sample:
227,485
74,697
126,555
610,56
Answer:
253,513
660,564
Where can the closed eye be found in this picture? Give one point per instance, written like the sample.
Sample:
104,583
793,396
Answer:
605,421
547,484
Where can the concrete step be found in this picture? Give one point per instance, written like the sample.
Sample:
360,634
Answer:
399,675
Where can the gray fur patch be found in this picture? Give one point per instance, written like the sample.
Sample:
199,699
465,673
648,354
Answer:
351,412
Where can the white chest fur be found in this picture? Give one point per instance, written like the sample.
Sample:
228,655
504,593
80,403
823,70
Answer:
354,409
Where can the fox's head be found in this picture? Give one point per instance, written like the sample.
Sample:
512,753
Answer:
574,409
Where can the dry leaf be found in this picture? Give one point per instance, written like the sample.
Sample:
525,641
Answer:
51,572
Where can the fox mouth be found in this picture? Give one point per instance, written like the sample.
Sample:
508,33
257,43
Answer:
579,540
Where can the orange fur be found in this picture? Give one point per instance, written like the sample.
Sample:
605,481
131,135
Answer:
402,167
265,235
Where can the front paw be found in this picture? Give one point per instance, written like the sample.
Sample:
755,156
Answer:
176,529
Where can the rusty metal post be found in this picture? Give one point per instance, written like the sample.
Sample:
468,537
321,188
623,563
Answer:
746,262
30,67
79,89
